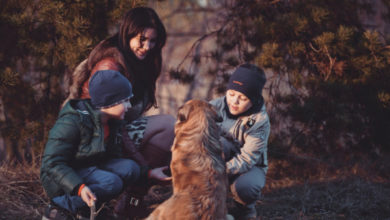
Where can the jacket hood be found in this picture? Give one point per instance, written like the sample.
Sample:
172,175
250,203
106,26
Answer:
83,108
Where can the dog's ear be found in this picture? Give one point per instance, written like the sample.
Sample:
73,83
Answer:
184,111
181,117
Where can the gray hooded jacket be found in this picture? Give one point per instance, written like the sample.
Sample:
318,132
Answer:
249,135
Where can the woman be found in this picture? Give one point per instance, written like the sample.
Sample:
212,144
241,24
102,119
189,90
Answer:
135,51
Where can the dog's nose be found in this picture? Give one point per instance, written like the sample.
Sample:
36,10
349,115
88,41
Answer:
219,118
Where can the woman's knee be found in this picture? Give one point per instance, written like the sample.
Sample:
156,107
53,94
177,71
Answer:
160,131
167,122
160,124
158,139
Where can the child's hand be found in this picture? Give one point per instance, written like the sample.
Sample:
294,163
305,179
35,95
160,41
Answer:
157,173
88,196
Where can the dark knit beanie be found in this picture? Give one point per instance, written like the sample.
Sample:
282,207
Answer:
249,80
108,88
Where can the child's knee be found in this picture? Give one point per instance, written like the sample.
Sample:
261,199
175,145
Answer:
247,192
131,171
112,185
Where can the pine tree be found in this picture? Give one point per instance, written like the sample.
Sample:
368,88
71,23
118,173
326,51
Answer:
329,74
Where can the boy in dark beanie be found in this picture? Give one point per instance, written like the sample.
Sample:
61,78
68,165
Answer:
82,163
245,130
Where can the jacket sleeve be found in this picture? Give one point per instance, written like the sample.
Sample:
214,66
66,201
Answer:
130,150
60,150
253,150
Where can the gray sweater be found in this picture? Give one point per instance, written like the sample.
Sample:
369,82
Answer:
249,134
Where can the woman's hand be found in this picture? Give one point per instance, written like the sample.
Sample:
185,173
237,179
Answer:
157,173
88,196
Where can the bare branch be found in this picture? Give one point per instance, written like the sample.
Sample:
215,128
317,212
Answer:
331,63
198,41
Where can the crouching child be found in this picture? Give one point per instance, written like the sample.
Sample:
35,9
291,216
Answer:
245,130
82,164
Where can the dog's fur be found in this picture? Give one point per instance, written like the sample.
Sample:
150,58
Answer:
198,168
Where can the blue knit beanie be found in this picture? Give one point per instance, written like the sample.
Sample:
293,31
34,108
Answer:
249,80
108,88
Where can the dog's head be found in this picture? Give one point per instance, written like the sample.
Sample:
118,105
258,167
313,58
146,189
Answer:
197,136
196,126
196,114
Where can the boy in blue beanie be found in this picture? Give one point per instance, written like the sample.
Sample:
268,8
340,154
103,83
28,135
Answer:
245,130
82,163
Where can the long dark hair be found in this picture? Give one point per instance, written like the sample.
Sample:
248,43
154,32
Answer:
143,74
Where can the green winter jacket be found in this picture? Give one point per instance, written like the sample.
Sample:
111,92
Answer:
76,141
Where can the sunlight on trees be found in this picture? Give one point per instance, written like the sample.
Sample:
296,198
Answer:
327,68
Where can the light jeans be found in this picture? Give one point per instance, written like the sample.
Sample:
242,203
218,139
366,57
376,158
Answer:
245,187
106,181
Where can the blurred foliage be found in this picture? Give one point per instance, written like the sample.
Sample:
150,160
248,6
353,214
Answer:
42,42
327,83
329,75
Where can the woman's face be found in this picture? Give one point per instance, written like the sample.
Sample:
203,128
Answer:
237,102
143,43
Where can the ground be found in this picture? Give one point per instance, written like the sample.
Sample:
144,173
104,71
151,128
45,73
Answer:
294,190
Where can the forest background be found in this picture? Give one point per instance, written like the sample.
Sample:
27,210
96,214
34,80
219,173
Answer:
327,94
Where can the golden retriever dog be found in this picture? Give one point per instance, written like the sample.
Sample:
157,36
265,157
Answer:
198,168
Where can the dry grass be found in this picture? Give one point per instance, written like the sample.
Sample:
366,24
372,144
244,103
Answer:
295,189
345,198
307,189
22,196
